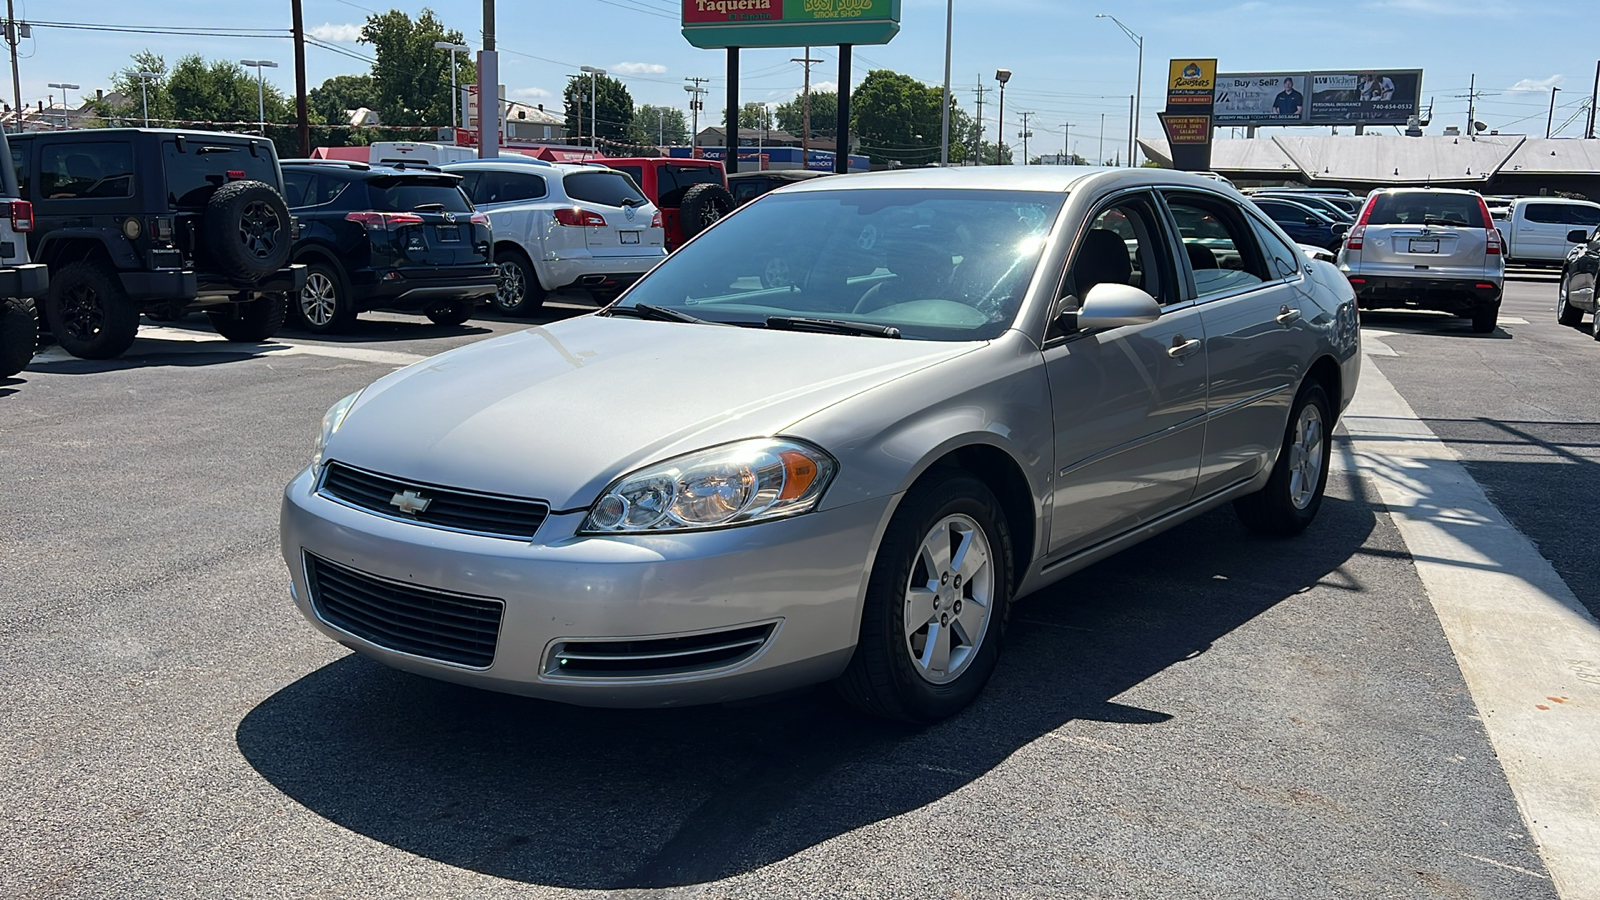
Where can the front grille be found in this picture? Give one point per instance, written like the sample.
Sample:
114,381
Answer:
422,622
656,656
456,510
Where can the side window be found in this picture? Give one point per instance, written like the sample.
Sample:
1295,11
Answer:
325,190
19,162
1283,260
522,186
1219,244
469,184
297,186
87,169
1545,214
1123,245
1587,216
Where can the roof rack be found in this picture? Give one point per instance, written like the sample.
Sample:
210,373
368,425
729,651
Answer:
347,163
409,164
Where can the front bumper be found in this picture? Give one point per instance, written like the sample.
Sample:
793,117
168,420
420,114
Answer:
806,574
28,280
1452,295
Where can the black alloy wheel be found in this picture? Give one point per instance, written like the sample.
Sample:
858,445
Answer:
89,313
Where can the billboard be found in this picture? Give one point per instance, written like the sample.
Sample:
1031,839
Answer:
716,24
1370,97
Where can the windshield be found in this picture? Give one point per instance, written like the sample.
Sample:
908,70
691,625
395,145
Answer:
948,265
1427,208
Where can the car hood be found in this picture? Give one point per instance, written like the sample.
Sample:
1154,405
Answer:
557,412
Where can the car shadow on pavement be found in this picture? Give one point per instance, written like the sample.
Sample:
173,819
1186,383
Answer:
613,799
1428,323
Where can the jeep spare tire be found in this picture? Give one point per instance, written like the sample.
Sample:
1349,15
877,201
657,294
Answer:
703,205
247,230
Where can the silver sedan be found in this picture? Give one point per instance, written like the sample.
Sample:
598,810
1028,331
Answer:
970,384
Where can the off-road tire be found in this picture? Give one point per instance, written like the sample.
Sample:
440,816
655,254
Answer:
324,305
1566,313
1485,320
702,207
456,312
89,313
1272,510
518,293
880,679
19,334
247,232
252,322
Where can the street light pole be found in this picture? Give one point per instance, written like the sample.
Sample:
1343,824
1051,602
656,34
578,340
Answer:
144,95
1138,86
455,92
949,29
1002,76
261,88
594,126
66,107
1549,123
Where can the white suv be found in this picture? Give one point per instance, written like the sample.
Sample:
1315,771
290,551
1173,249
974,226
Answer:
562,226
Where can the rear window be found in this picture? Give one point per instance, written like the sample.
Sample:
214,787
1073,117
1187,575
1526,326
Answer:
85,169
1427,208
602,188
202,166
407,194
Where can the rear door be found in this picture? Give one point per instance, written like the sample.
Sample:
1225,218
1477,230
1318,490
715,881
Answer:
1541,230
1428,233
626,212
429,219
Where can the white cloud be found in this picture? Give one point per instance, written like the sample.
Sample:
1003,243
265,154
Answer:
529,93
822,87
638,68
339,34
1538,84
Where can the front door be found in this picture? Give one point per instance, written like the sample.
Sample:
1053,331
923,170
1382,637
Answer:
1128,403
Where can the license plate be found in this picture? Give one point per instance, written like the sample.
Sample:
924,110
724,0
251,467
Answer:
449,234
629,237
1424,246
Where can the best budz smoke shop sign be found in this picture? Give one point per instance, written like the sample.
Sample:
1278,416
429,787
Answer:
716,24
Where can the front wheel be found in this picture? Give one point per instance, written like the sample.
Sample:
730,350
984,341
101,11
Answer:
936,606
1293,493
1566,313
455,312
251,322
89,313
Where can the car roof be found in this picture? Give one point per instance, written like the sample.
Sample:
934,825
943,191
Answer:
1055,179
779,174
359,170
1562,200
517,165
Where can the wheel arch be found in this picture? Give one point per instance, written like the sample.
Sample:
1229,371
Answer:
60,249
509,245
1326,372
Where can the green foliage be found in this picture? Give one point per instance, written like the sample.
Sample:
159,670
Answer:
660,124
899,120
332,101
612,109
411,79
824,114
755,115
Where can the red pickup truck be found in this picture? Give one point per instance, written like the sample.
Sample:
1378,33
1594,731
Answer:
692,194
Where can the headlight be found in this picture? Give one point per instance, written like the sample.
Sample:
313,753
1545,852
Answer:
750,481
331,420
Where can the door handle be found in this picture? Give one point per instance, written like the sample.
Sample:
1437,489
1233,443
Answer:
1181,348
1288,316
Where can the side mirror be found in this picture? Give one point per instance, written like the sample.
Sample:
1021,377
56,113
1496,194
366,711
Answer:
1340,229
1578,236
1115,305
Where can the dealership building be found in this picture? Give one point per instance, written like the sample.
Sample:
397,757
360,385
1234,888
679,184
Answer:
1512,165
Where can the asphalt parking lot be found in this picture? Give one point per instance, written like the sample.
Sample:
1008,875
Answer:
1211,714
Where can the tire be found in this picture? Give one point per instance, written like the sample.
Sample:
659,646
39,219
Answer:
455,312
324,306
519,292
894,674
89,313
1293,493
1485,320
252,322
247,230
1566,313
19,334
702,207
777,273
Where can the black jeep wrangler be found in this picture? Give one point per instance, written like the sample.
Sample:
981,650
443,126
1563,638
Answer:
133,220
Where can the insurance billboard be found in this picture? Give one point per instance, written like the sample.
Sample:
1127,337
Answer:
1371,97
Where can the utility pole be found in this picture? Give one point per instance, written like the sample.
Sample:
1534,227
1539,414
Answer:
15,32
301,115
489,90
1025,133
1100,154
1550,122
1594,96
805,128
1133,125
1472,97
977,150
949,30
1066,142
695,105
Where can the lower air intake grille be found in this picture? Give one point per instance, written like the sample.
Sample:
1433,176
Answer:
656,656
446,627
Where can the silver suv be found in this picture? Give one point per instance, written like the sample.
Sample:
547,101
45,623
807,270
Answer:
1427,248
20,280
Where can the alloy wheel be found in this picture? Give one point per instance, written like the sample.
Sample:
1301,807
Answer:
949,599
1305,457
319,299
511,288
258,229
81,313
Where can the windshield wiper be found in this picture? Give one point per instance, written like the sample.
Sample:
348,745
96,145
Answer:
659,313
831,326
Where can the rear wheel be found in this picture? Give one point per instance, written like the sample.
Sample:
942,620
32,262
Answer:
518,292
1485,320
251,322
89,313
19,334
1293,494
324,305
455,312
936,605
1566,313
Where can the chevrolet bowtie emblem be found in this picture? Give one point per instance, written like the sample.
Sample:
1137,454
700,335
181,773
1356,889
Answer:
410,502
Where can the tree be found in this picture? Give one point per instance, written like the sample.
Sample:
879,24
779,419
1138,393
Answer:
755,115
824,114
898,118
126,83
332,101
612,109
411,79
660,125
221,91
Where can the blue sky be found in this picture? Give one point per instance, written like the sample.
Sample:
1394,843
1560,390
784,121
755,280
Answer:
1069,67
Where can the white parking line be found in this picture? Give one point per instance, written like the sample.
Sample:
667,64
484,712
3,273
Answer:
1528,650
160,339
